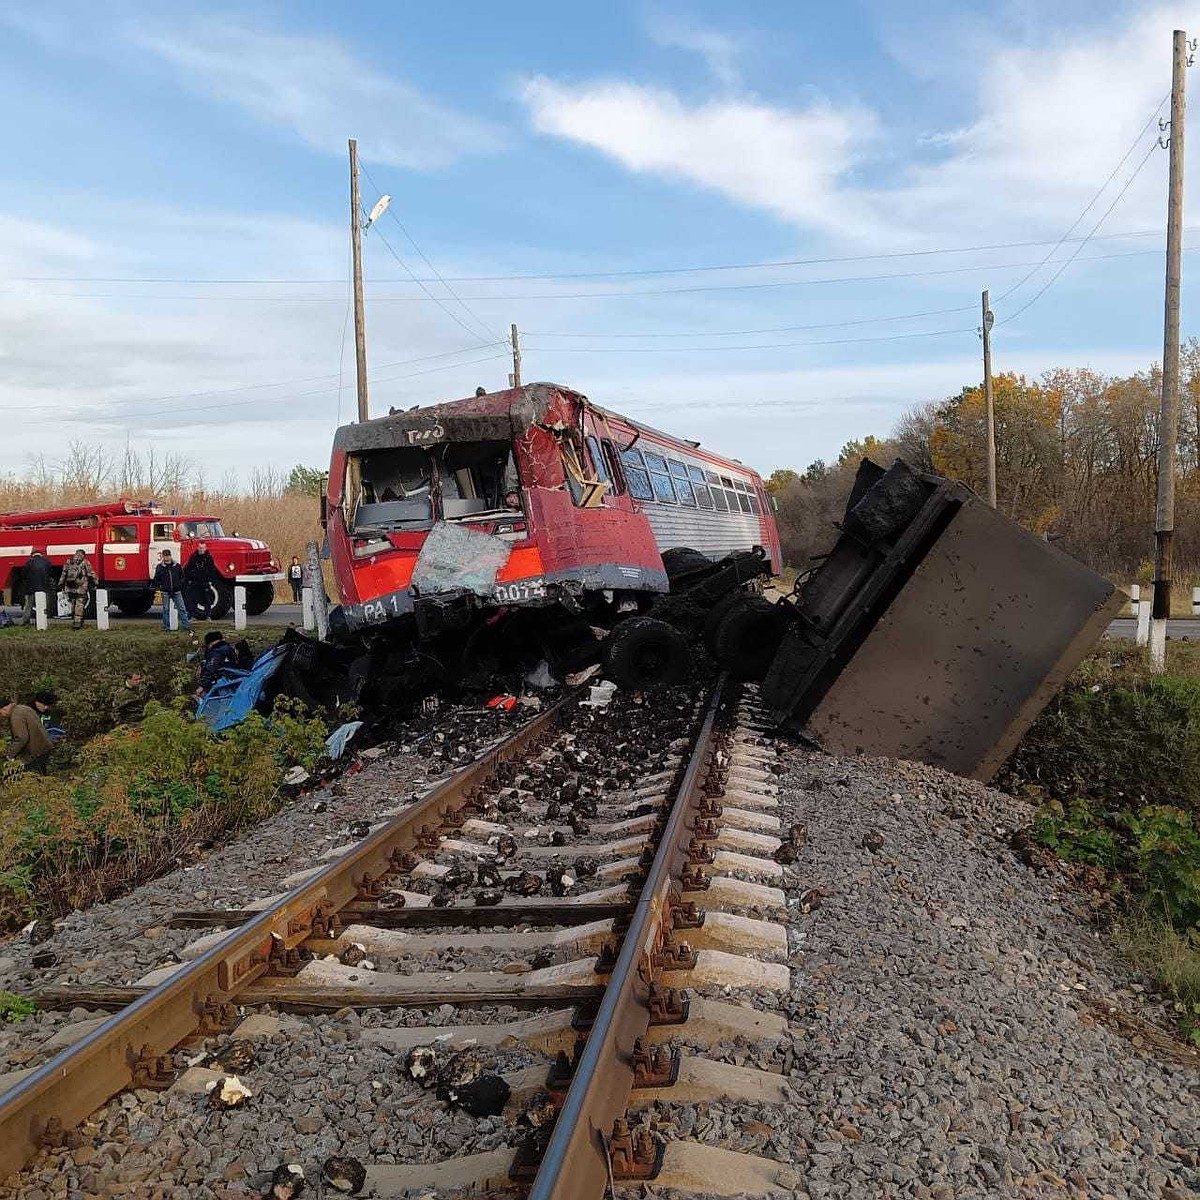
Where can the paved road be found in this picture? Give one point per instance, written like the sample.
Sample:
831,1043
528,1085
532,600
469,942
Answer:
277,614
1177,628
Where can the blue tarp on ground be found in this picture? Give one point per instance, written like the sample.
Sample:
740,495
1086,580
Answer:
236,693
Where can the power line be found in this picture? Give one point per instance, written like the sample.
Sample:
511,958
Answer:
735,287
391,212
635,273
1104,216
931,312
180,412
1090,204
892,337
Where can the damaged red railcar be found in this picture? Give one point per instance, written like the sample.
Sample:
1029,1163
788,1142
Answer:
529,510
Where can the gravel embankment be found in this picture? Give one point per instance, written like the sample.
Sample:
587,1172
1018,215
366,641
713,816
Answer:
941,999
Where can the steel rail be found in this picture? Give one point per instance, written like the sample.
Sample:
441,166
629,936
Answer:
74,1084
576,1161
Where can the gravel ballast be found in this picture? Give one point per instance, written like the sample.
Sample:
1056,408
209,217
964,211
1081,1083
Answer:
943,997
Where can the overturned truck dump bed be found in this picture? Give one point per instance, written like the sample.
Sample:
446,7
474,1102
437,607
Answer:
936,629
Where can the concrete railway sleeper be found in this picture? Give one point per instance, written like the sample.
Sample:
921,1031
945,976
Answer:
667,874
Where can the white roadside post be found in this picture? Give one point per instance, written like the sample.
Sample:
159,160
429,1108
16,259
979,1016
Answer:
172,613
1196,602
239,606
101,608
317,583
1135,595
1142,637
39,610
308,616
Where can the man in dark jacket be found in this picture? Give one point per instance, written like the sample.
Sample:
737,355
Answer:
168,579
35,577
218,654
199,575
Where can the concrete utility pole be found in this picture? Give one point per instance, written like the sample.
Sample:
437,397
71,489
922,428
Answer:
360,317
988,320
1168,416
514,380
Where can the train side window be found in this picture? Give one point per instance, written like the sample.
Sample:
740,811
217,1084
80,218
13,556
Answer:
636,475
614,465
744,501
599,462
703,495
755,507
683,489
663,489
718,499
655,462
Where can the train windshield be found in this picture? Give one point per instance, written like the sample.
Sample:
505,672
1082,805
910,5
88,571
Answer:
390,489
404,487
476,478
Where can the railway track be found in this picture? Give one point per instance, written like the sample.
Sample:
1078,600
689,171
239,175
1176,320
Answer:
651,828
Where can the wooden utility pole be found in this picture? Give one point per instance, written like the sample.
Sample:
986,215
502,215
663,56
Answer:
988,319
514,380
360,318
1168,416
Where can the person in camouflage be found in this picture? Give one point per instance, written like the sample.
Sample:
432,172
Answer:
129,700
76,579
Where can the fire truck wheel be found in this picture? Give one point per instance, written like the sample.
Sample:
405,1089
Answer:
259,597
222,599
748,637
642,653
680,561
134,604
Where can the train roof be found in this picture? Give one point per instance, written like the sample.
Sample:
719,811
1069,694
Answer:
494,416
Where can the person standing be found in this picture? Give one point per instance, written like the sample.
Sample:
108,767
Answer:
296,579
199,575
77,579
168,579
30,741
34,578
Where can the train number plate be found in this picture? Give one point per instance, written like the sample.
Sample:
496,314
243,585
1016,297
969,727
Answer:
522,591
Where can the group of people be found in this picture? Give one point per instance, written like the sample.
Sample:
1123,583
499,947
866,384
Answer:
76,580
32,728
186,589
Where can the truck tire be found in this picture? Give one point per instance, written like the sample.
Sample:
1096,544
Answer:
643,653
716,615
259,597
681,561
222,602
748,637
133,604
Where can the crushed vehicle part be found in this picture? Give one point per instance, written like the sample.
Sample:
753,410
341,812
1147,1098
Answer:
936,628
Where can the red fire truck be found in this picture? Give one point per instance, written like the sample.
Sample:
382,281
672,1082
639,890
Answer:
123,540
532,512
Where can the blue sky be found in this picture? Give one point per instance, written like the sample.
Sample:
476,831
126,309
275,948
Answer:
173,209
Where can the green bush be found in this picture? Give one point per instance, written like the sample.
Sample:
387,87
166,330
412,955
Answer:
138,798
15,1008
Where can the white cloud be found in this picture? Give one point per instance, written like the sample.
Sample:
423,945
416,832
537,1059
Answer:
720,51
1051,121
786,161
316,88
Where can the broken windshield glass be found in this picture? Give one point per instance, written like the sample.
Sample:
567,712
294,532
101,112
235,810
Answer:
390,489
477,477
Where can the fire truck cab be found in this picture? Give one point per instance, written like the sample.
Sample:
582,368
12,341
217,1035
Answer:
123,540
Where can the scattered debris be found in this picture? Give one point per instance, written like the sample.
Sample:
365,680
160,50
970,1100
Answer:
228,1092
344,1174
287,1182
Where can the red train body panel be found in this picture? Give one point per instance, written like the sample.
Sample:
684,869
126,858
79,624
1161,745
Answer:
584,501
